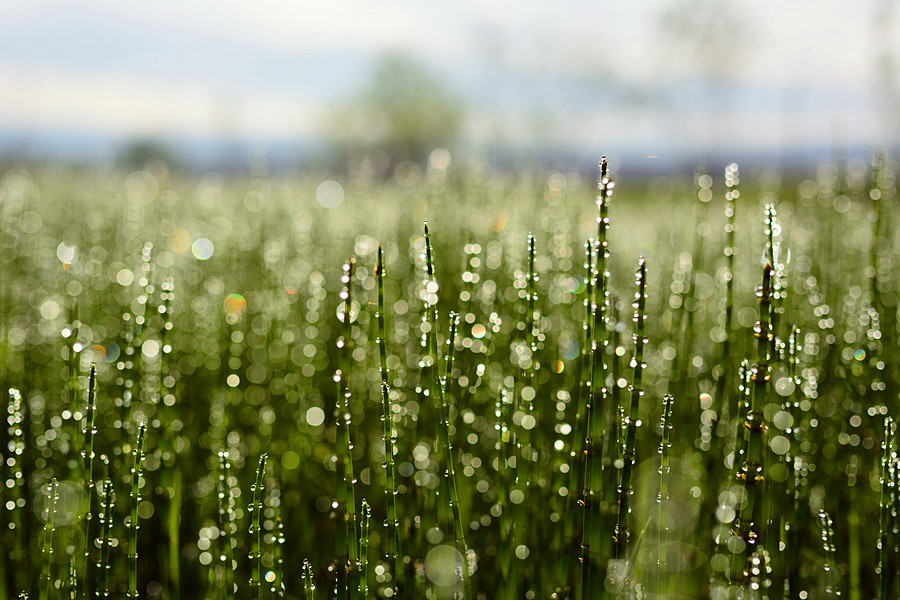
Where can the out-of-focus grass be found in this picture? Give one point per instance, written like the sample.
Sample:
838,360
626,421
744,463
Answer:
213,307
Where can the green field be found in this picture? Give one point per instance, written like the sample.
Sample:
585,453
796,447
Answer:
523,375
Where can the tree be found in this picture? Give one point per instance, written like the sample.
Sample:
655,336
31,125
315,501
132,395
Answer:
403,112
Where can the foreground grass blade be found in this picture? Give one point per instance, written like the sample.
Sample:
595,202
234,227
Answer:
105,517
89,431
622,533
136,471
751,474
883,568
49,530
309,584
345,473
393,553
256,530
663,497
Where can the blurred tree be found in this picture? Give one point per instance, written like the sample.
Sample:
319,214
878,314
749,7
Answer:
402,113
141,152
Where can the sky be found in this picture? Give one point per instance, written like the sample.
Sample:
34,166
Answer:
675,80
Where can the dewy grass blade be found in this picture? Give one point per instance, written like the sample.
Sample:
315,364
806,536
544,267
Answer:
16,489
732,180
883,568
663,497
136,472
87,454
49,530
365,513
752,473
622,533
345,473
309,584
256,530
393,552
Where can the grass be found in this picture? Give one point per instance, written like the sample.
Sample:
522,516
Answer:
460,411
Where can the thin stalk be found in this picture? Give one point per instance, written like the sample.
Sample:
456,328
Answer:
104,518
72,582
589,447
742,405
605,374
256,531
894,475
89,431
138,461
638,540
826,531
278,587
604,347
393,554
884,546
458,531
428,510
596,416
345,472
622,533
752,474
365,513
526,437
732,179
309,584
530,433
434,390
49,530
663,498
779,292
791,530
576,456
614,426
15,488
225,577
506,474
171,477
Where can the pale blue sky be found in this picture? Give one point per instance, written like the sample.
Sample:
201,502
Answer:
673,79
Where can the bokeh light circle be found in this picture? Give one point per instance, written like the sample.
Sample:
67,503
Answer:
330,194
202,249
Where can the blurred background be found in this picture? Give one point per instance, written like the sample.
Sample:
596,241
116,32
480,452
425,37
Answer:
657,85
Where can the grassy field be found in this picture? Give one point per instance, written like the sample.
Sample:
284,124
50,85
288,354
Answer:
682,389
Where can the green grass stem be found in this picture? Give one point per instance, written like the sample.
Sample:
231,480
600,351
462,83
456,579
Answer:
49,530
393,552
622,532
589,532
137,462
15,491
450,470
104,520
309,584
89,431
883,569
345,472
256,489
752,473
662,499
365,513
732,180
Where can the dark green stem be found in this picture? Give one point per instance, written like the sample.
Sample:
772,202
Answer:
622,533
256,531
49,530
751,474
393,555
138,458
89,431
